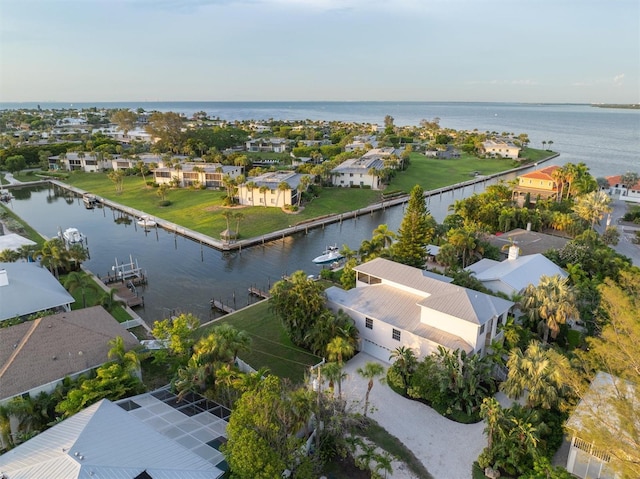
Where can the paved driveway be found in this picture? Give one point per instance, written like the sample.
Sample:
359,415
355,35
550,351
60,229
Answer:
446,448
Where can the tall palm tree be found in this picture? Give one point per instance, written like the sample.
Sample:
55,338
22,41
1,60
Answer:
238,216
552,302
539,372
370,371
263,189
109,301
334,373
282,187
592,206
251,185
54,255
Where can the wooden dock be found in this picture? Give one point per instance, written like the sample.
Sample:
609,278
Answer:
130,297
259,293
220,306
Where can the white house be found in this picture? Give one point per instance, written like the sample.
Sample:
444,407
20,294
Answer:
397,305
617,190
500,148
514,273
275,145
279,188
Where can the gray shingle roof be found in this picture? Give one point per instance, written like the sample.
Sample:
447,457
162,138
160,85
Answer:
78,340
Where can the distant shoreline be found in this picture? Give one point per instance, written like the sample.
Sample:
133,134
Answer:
623,106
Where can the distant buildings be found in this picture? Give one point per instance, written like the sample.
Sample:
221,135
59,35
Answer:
500,148
616,189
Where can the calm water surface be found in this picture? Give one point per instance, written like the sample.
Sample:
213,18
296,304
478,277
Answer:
184,275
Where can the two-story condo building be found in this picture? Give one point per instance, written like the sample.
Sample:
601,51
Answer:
274,189
209,175
537,184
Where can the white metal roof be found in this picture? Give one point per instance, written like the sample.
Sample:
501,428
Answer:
107,442
30,289
517,273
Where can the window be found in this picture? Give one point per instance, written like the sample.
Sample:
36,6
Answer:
395,334
368,323
482,329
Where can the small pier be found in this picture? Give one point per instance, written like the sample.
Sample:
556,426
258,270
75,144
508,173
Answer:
259,293
129,294
220,306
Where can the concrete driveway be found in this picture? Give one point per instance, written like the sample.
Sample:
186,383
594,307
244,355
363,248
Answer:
446,448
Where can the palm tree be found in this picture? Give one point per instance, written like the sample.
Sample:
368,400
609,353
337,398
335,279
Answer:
282,187
549,143
238,216
384,235
26,252
592,206
109,302
335,374
538,371
54,255
552,302
404,359
232,341
79,280
263,189
251,185
227,216
544,144
339,348
370,371
77,254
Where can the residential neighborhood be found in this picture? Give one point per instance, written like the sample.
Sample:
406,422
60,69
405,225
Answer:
444,317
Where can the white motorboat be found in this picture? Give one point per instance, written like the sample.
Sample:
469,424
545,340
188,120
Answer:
146,222
72,236
5,196
329,255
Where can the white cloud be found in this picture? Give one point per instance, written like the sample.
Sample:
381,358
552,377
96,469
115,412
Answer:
618,80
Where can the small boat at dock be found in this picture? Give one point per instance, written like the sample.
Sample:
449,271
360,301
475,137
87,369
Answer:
329,255
71,236
90,201
146,222
5,196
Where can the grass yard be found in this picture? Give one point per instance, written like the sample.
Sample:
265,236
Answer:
92,298
201,210
432,173
270,345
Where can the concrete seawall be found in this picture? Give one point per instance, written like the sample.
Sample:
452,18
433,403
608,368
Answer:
298,227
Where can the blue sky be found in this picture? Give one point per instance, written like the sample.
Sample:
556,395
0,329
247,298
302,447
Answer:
396,50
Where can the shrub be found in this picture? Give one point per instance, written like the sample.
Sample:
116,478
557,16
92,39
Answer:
164,203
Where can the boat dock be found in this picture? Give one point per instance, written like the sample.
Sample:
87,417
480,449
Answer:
302,227
220,306
128,293
259,293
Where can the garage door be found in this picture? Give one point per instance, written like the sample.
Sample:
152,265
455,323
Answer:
375,350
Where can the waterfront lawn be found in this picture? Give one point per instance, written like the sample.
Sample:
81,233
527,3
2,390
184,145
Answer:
201,210
532,155
432,173
270,344
92,297
3,180
17,225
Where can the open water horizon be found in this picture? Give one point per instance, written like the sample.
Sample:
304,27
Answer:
607,140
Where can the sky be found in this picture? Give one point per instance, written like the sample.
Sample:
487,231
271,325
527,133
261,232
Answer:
564,51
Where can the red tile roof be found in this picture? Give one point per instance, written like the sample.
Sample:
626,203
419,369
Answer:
543,174
617,180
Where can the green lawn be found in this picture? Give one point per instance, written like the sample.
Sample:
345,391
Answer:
92,297
270,345
16,224
3,181
201,210
432,173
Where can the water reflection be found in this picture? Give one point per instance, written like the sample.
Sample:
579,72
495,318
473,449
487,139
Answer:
185,275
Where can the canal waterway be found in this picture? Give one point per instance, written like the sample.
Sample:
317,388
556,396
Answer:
183,275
